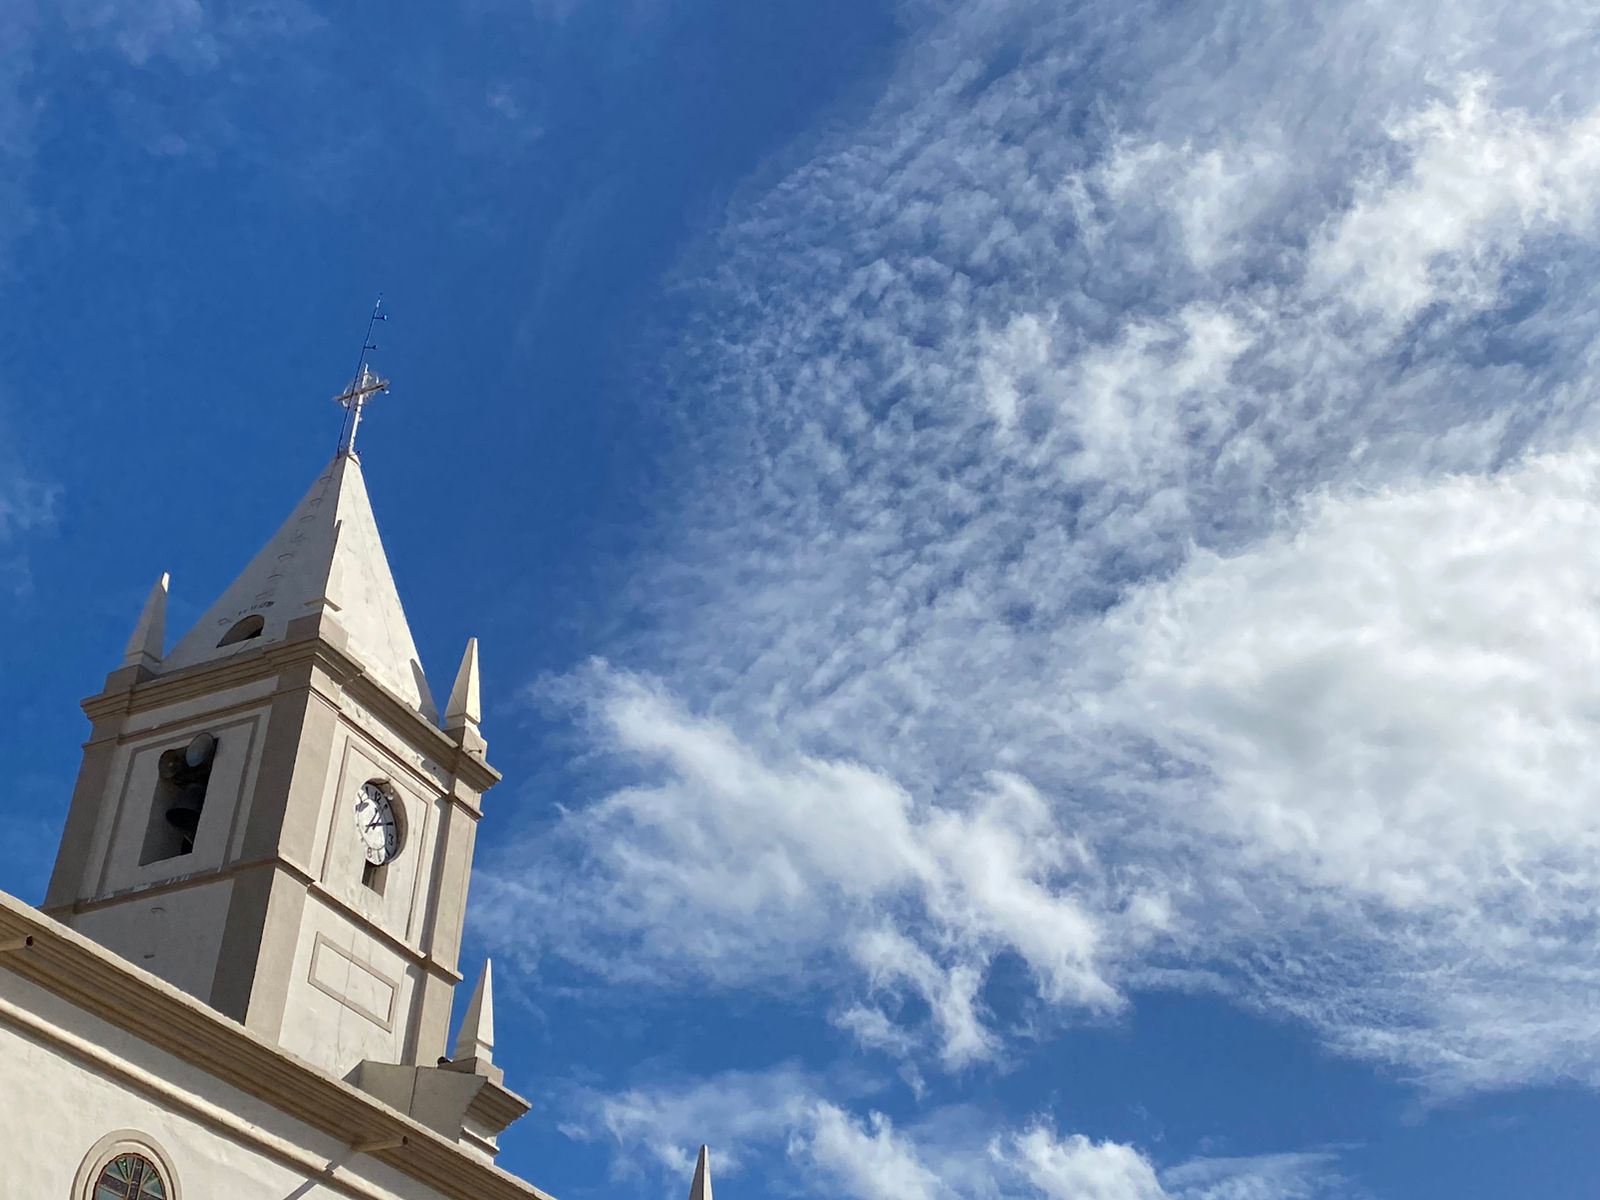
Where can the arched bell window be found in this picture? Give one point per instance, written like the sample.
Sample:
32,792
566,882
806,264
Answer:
184,774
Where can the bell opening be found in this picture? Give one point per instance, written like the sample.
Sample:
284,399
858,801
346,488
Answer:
183,777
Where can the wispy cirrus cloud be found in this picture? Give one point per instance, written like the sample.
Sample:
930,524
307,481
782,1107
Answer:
798,867
1481,180
1148,455
784,1120
194,36
1382,718
28,504
195,33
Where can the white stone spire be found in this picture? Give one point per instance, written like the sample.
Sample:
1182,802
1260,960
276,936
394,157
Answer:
476,1039
465,707
326,560
150,635
700,1189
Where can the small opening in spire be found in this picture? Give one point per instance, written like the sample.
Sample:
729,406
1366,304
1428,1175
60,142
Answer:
244,630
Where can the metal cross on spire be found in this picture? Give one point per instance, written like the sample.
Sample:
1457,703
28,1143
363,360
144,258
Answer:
363,387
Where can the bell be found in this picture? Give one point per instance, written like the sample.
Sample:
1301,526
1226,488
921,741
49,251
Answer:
200,750
170,764
184,815
184,819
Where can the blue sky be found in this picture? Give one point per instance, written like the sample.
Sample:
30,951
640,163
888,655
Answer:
1035,562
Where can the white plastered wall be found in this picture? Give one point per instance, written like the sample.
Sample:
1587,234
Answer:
176,935
70,1079
349,995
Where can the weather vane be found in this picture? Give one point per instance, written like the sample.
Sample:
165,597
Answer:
363,387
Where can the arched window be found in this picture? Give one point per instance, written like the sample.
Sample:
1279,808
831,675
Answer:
245,629
126,1165
130,1176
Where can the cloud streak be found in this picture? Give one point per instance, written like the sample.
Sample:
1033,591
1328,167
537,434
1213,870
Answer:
1136,487
783,1121
798,867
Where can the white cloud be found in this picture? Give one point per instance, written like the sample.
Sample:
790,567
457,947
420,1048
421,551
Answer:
798,865
1395,694
1477,181
666,1123
1075,1168
1125,496
1378,718
1213,195
783,1121
1299,1176
874,1029
869,1159
1384,717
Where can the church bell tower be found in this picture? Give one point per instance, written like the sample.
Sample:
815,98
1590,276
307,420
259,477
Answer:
272,816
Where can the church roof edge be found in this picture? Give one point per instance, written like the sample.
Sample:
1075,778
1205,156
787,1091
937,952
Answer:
109,987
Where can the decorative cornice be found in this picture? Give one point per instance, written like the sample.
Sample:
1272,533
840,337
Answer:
125,697
415,955
497,1106
121,994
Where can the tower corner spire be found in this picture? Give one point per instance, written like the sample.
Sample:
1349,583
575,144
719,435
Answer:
147,645
465,709
700,1189
475,1040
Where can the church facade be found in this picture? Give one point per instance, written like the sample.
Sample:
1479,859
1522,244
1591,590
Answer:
241,980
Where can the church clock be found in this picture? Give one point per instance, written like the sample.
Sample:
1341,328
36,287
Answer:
377,823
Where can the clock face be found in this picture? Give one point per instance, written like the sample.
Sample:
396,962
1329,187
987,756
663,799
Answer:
377,824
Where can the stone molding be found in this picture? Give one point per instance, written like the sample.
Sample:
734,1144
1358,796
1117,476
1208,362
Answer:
324,947
124,697
124,1141
415,955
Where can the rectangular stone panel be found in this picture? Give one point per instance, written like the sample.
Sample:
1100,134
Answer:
353,984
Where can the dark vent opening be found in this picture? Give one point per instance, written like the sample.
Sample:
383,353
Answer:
244,630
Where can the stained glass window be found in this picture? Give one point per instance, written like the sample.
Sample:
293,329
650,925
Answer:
130,1177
